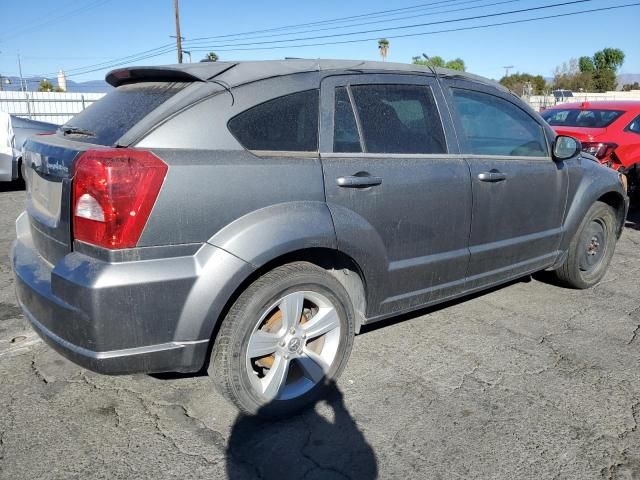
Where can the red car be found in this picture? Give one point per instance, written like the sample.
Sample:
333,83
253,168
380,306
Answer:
608,130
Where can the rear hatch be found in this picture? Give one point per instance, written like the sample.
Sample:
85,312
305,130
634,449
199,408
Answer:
48,159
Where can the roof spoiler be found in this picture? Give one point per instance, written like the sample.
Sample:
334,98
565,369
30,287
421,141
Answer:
190,72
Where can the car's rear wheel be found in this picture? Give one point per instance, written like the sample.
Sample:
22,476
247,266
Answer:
287,335
591,248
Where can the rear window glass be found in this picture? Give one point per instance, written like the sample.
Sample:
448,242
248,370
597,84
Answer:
399,119
115,114
288,123
573,117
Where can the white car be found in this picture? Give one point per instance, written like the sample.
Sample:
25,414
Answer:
14,131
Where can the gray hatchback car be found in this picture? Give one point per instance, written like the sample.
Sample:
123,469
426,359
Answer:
249,218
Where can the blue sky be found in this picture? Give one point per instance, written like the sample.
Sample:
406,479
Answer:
70,34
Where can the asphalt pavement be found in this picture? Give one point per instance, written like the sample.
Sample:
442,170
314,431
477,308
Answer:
526,381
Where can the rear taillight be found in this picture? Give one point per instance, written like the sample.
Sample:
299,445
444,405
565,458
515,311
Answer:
113,193
600,150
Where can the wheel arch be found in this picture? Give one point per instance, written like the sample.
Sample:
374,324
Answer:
337,263
617,202
596,186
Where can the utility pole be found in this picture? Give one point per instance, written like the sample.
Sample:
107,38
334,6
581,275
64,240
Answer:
506,68
22,82
178,37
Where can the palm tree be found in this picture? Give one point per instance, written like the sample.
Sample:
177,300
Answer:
211,57
383,46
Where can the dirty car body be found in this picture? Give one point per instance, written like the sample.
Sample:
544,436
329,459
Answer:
427,208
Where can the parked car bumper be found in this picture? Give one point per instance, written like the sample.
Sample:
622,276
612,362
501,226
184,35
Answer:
127,317
6,167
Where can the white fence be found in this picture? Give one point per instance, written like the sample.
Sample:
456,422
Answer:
539,102
52,107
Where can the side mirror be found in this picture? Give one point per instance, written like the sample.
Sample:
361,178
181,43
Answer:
565,147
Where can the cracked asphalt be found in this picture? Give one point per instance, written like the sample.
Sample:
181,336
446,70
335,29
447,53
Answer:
526,381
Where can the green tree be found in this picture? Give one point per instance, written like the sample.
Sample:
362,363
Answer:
631,86
210,57
456,64
608,59
45,86
519,83
604,80
586,64
437,61
596,73
383,47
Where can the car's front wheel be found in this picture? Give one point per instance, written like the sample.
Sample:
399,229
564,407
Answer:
591,248
287,335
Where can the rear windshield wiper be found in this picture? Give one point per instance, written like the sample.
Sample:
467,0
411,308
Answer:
71,130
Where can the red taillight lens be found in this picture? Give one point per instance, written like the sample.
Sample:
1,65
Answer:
113,193
600,150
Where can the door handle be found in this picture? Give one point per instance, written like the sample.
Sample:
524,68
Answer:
492,176
356,181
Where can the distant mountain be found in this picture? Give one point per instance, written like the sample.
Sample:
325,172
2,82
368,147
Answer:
628,78
91,86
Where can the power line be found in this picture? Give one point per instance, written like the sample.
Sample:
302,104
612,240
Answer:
166,48
417,34
402,27
123,63
161,51
56,18
334,20
155,52
195,42
383,13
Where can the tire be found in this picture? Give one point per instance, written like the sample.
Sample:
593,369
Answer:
591,248
266,317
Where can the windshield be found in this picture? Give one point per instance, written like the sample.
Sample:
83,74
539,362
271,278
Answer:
572,117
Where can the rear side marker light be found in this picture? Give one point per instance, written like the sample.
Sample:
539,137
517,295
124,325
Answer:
114,191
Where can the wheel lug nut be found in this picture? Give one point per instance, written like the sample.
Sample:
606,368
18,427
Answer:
282,343
292,331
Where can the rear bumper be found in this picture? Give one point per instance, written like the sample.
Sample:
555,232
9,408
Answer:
144,316
7,167
174,356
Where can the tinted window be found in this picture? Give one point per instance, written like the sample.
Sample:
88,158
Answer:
115,114
345,130
399,119
634,126
288,123
573,117
494,126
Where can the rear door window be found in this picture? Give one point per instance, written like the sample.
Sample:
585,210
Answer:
288,123
494,126
634,126
115,114
399,119
346,138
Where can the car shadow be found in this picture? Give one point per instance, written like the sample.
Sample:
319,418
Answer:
14,186
441,306
633,218
308,445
